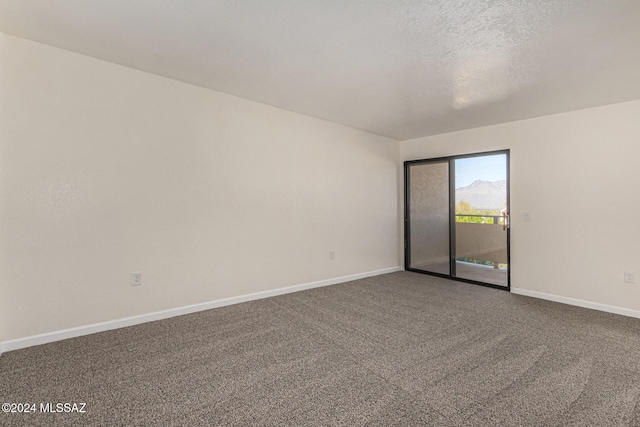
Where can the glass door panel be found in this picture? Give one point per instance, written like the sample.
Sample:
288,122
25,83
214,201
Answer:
481,219
428,216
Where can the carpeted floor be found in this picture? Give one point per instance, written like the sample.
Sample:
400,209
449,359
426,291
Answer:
402,349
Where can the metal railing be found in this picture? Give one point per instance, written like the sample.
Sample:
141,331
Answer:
491,219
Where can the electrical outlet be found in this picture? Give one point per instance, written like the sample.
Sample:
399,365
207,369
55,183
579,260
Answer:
526,216
630,277
332,255
136,279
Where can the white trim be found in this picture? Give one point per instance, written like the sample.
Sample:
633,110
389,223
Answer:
578,302
93,328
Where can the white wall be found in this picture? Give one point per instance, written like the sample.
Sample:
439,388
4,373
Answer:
105,170
578,175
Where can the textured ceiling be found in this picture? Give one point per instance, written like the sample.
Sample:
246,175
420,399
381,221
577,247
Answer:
398,68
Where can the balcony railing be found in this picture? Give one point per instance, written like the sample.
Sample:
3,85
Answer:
484,219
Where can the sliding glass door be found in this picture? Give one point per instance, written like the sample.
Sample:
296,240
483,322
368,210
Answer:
457,217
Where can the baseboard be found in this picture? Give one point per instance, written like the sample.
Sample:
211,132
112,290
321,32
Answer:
578,302
179,311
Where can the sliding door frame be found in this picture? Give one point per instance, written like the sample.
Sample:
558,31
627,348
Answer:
452,216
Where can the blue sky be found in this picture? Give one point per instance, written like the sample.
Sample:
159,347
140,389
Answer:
486,168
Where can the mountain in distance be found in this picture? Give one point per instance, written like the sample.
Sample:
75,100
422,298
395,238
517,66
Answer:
484,194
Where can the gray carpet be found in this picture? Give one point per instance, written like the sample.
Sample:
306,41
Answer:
402,349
